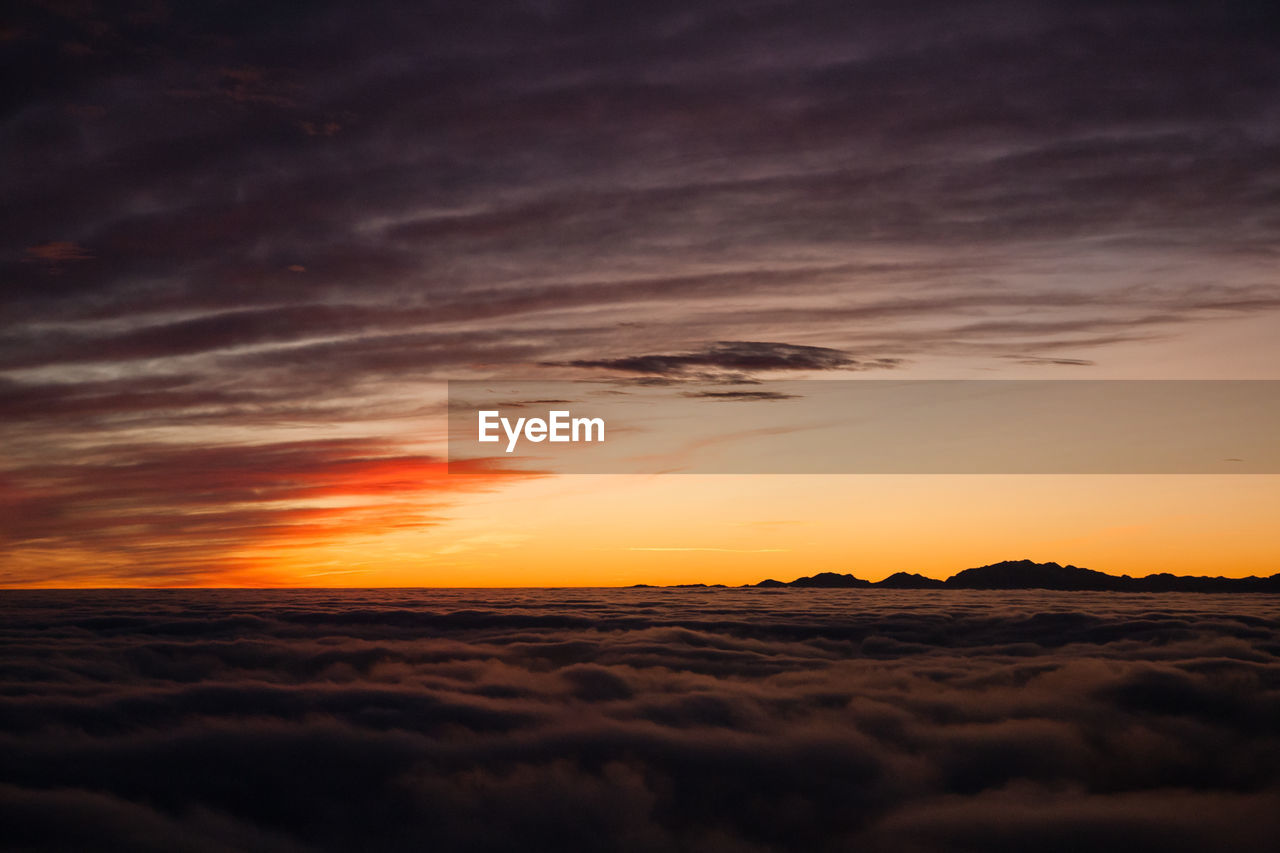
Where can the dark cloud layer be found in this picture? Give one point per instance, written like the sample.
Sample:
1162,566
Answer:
217,175
744,357
638,720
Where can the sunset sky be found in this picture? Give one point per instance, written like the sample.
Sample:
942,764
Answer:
245,246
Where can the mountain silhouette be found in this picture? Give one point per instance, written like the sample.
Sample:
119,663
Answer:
830,580
907,580
1027,574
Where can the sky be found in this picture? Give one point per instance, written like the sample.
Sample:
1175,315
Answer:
244,248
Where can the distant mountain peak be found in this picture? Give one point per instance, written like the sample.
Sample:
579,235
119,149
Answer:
909,580
830,580
1028,574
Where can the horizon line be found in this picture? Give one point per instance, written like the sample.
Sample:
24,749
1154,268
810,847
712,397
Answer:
767,583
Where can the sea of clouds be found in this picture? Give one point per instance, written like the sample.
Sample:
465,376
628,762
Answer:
638,720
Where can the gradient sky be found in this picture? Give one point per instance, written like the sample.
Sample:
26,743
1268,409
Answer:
243,248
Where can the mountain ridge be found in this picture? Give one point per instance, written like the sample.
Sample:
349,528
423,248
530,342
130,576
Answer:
1028,574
